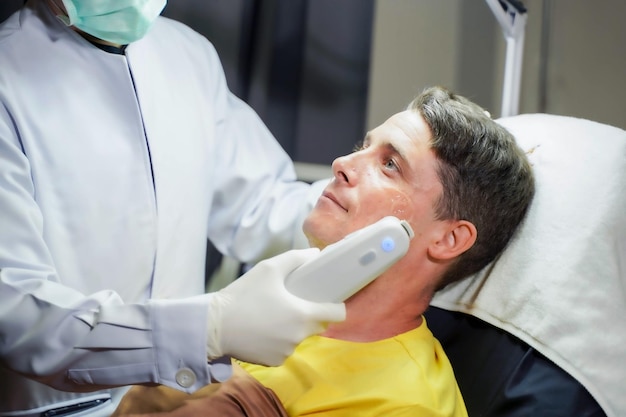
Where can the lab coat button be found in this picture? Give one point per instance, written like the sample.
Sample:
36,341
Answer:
185,377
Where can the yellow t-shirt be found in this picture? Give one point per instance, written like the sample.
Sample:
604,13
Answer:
406,375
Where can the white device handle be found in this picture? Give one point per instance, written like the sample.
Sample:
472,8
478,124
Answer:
343,268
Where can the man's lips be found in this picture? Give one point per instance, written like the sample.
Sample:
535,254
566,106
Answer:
332,198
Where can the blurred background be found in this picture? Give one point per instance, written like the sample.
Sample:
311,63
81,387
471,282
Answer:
322,72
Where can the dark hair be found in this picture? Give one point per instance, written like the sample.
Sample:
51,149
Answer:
486,177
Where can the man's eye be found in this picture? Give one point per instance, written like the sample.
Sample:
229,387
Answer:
391,164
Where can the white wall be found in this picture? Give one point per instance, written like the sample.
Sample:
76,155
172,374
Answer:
457,43
409,52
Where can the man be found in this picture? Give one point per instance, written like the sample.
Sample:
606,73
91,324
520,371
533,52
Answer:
464,186
121,152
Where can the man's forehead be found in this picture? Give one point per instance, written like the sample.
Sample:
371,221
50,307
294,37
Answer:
403,131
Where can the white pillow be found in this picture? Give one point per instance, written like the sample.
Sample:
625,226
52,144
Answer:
561,284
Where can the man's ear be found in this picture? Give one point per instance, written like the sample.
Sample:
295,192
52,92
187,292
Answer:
457,237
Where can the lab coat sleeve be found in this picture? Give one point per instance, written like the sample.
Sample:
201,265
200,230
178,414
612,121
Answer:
74,341
94,342
258,206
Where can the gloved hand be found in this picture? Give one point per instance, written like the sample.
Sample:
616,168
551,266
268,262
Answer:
256,319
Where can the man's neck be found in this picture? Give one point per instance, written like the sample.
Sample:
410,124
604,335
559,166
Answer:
370,317
370,330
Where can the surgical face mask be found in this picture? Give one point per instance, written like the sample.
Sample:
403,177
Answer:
117,21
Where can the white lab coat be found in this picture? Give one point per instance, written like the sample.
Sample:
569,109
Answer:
114,170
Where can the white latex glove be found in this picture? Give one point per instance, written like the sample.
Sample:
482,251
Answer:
255,318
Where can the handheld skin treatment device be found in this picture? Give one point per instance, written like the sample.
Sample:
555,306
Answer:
343,268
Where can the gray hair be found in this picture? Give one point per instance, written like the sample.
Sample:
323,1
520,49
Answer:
486,177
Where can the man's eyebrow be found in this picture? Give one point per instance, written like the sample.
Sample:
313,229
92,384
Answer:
388,145
395,150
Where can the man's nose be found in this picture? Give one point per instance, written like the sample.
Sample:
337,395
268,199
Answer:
344,169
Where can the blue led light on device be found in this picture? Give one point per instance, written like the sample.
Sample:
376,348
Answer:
388,244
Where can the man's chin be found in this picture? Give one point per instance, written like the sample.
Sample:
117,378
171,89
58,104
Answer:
321,231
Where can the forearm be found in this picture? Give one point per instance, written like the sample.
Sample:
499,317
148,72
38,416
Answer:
82,343
258,208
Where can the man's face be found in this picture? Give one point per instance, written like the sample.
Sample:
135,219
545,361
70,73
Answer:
393,173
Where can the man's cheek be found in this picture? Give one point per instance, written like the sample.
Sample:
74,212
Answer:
400,206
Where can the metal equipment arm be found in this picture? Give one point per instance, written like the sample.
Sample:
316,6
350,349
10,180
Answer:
511,14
